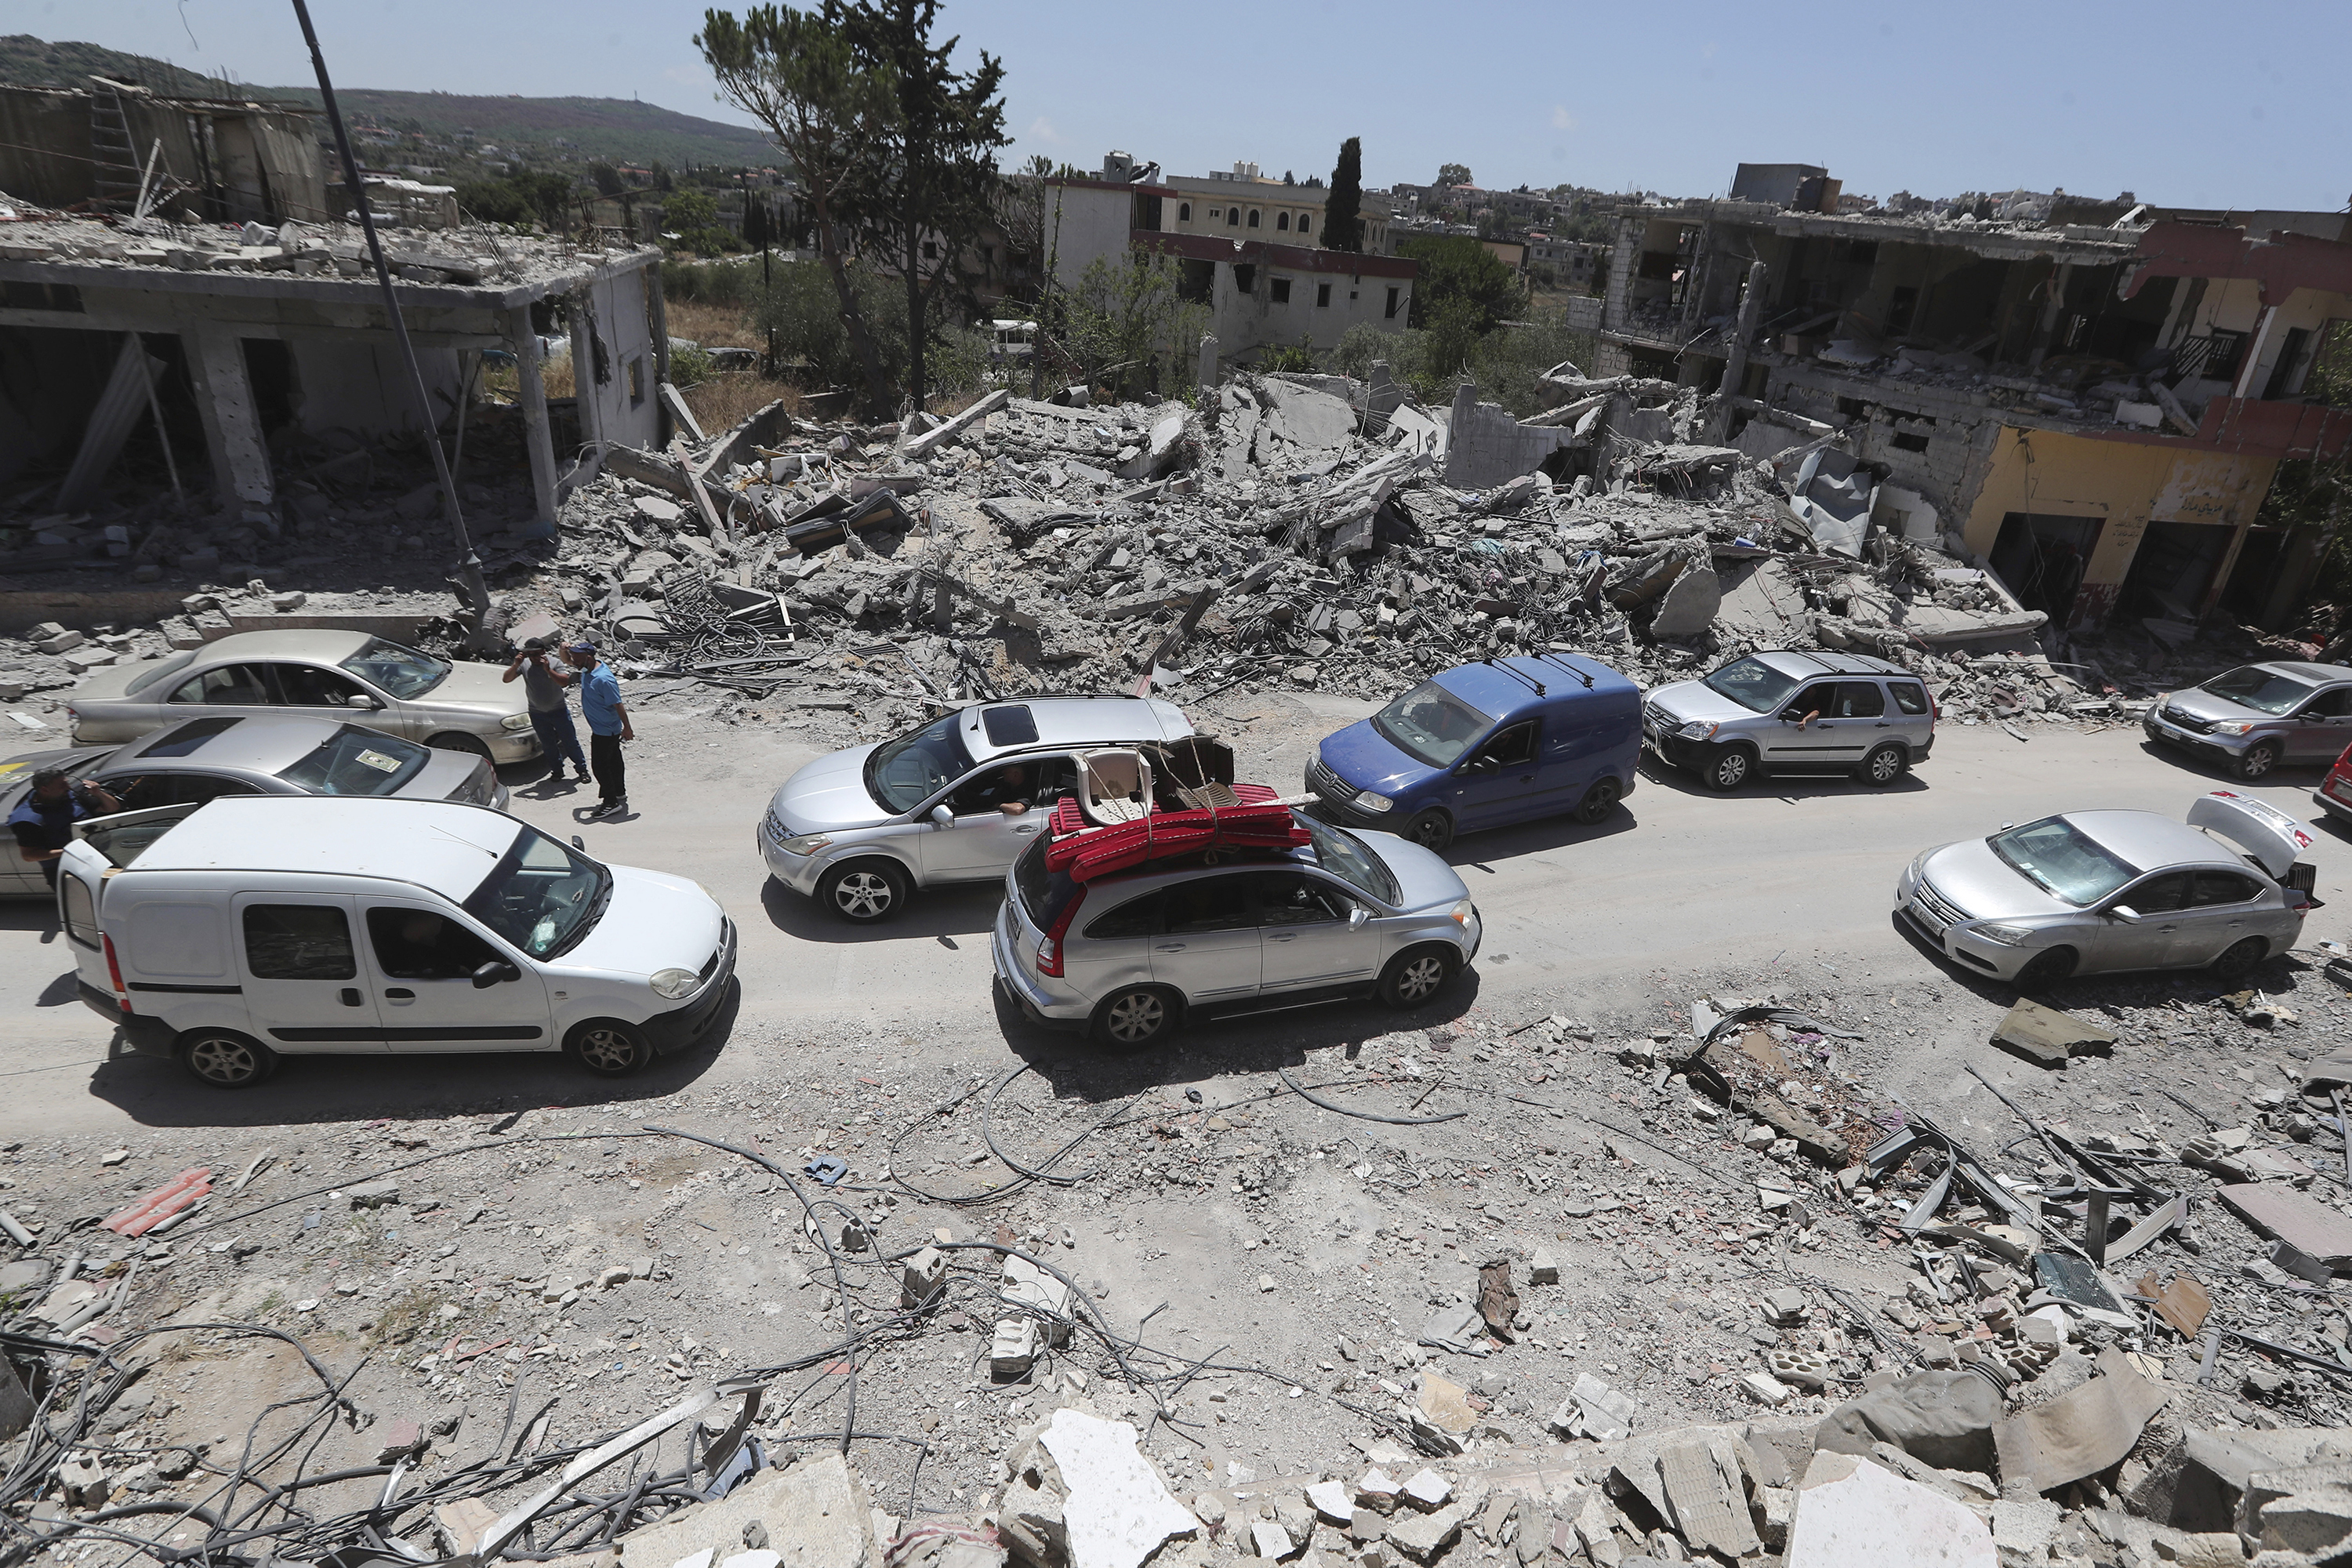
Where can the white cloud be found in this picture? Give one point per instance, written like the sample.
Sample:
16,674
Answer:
1560,119
1042,130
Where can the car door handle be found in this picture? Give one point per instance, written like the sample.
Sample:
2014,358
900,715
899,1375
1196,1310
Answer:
1282,936
399,994
1526,778
351,996
2161,929
1169,947
1882,724
1026,828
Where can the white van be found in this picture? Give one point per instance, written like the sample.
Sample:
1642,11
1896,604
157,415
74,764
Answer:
252,927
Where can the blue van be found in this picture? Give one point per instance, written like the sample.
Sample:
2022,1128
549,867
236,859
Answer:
1485,745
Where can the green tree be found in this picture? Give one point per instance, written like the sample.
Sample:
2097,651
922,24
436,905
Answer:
607,179
1456,270
1343,209
1453,173
797,74
662,179
550,195
686,211
1128,323
493,201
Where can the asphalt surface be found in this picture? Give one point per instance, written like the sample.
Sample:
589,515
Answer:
1790,875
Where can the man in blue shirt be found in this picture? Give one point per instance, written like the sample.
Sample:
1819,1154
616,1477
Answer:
608,726
43,821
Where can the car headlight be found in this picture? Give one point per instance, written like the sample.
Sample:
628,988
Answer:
2233,727
515,722
1366,801
672,984
1697,729
807,843
2008,935
1464,913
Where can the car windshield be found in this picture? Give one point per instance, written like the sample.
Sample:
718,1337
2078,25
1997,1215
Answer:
1344,855
2250,686
1753,684
541,896
2062,860
403,671
1431,725
353,760
903,773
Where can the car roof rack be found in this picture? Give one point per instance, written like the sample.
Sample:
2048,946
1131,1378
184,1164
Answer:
1551,657
1519,675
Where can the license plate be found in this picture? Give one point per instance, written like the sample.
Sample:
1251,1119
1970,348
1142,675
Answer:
2340,788
1919,912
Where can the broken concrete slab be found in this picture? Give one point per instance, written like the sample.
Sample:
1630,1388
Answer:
1444,1404
1306,417
2082,1432
2296,1218
1485,447
1690,605
1707,1496
2315,1518
817,1514
2218,1467
1118,1511
1424,1536
1852,1513
1329,1498
1594,1409
1942,1418
2048,1038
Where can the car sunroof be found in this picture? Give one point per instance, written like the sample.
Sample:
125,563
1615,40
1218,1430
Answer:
1012,725
188,739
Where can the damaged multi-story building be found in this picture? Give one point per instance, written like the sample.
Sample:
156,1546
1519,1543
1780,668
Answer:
2096,411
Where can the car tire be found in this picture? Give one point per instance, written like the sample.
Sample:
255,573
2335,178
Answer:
864,892
2047,968
1728,769
2238,959
1433,831
2258,762
1418,975
1134,1017
1884,765
609,1047
1600,800
222,1059
456,741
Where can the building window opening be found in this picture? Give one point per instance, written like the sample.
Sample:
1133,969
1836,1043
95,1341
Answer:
1253,215
1900,307
1322,295
1392,310
1233,216
1906,441
1282,223
1246,278
1183,212
1280,290
1304,220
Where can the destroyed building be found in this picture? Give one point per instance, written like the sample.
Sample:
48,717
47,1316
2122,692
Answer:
112,145
2095,413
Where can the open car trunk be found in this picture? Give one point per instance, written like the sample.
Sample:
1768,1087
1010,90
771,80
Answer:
2270,838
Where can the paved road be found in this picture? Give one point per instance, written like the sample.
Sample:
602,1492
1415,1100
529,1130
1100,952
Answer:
1679,882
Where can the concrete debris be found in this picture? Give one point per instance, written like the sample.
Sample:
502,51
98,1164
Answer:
1594,1409
1115,1509
2082,1432
1852,1514
2296,1218
815,1514
1942,1418
2048,1038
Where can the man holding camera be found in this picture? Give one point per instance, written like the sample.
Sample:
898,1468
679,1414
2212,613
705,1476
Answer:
542,690
43,821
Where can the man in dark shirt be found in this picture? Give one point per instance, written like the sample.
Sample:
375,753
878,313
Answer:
43,821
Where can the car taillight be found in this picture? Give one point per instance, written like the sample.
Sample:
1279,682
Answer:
114,973
1049,946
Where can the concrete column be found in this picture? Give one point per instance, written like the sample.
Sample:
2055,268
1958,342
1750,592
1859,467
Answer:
233,438
1735,363
2049,309
2298,565
657,318
2228,563
584,365
2253,367
531,393
1208,372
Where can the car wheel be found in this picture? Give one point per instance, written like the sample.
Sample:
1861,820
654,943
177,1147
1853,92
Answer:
2046,968
453,741
1135,1017
863,891
2238,960
1433,829
609,1048
222,1058
1884,765
1600,800
2258,761
1416,976
1729,768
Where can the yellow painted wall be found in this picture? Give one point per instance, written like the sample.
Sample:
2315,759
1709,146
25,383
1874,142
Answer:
2127,483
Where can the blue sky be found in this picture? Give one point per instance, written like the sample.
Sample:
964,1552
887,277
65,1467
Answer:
2206,106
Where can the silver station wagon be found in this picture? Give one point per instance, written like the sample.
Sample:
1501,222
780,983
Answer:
955,800
373,681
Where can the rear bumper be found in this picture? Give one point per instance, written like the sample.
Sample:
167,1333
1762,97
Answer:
2339,809
148,1036
1039,1005
679,1028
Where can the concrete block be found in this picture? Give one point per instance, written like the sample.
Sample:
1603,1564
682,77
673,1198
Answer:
1852,1514
372,1194
1329,1498
816,1514
922,1276
282,603
1013,1350
1269,1539
60,641
1376,1491
1766,1390
1543,1269
1427,1491
1425,1536
84,1481
1026,1283
1786,1308
1118,1510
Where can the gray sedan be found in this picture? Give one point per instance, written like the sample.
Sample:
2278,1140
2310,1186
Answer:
220,755
329,674
2254,717
2089,891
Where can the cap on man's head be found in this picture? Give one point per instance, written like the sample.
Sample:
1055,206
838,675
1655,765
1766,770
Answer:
582,645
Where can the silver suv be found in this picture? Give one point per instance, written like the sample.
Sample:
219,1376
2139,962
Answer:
954,802
1129,957
1793,712
2254,717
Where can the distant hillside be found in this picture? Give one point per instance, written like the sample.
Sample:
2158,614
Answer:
615,130
611,130
29,61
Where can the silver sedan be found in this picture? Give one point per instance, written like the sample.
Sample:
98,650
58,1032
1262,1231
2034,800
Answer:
329,674
2091,892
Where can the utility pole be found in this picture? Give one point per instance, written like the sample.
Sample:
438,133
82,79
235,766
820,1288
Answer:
469,582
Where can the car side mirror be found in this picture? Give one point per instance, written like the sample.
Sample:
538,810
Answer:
494,972
1357,917
1484,765
942,817
2126,914
1791,715
362,702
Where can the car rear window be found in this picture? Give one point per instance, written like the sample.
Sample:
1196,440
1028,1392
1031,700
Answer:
1909,696
1012,725
163,667
1043,894
189,738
